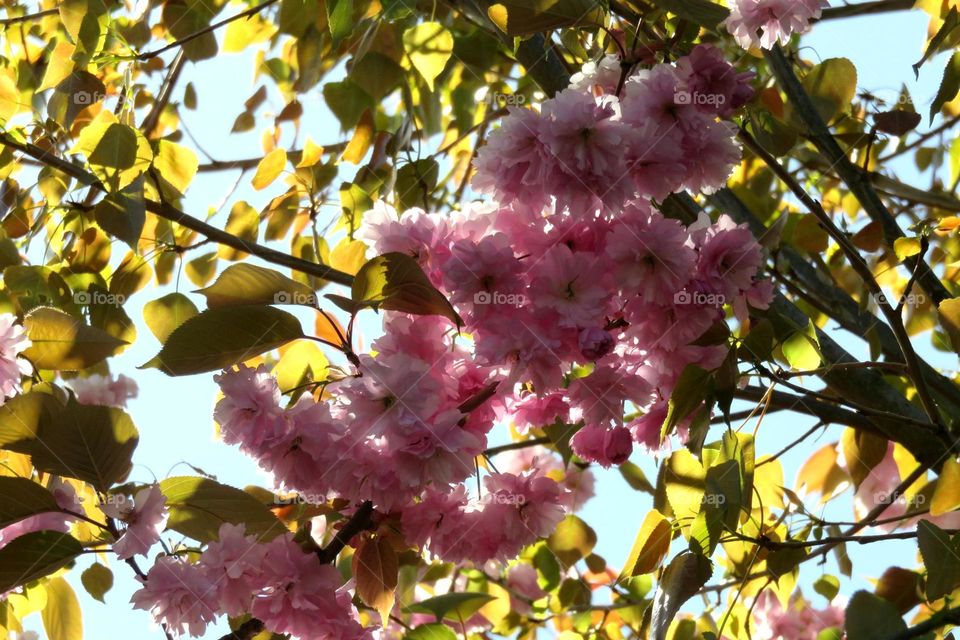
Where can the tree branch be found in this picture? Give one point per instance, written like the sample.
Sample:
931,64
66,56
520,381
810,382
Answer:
169,212
6,22
856,180
202,32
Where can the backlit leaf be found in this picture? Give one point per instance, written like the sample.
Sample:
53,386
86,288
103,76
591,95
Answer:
198,506
63,342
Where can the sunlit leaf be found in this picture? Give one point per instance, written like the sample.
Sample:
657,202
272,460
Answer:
166,313
61,617
429,45
35,555
198,506
62,342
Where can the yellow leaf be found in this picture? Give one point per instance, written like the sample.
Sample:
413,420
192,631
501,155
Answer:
376,573
61,617
429,46
242,33
176,164
362,139
9,98
243,222
949,313
117,153
946,497
270,168
349,255
650,547
821,473
59,65
300,362
906,247
311,154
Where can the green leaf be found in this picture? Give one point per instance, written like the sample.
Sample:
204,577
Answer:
35,555
198,506
683,577
176,164
340,19
123,213
415,182
937,41
702,12
61,616
20,498
185,19
243,222
572,540
434,631
395,281
117,153
828,586
941,556
347,101
165,314
949,85
64,343
869,617
689,393
429,46
97,579
33,286
802,349
832,85
635,477
222,337
242,284
720,507
524,17
453,606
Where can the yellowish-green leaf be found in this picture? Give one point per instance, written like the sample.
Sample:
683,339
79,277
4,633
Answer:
270,168
429,45
9,98
242,33
348,256
243,222
802,349
650,547
302,362
946,497
198,506
249,284
165,314
222,337
362,139
61,617
176,164
62,342
395,281
35,555
572,540
117,153
97,579
949,314
201,269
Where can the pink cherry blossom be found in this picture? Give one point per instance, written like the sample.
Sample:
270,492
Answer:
234,562
799,620
13,342
179,595
604,446
104,390
774,20
713,85
145,520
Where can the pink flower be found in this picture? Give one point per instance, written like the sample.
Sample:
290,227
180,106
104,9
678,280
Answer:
712,84
650,254
605,73
569,284
710,152
13,342
595,342
599,398
249,413
604,446
729,259
234,562
304,598
179,595
799,621
145,519
534,411
478,271
104,390
776,20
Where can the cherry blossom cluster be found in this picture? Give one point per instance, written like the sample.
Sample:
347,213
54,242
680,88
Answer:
798,620
591,147
763,23
277,582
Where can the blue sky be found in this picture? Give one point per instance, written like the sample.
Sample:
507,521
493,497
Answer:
174,415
